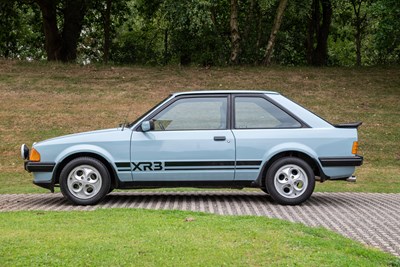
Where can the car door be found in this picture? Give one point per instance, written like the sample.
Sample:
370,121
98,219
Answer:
190,141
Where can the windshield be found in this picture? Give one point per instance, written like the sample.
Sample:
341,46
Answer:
129,125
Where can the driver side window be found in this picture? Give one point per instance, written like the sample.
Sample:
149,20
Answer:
197,113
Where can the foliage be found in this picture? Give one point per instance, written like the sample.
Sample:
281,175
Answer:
341,40
92,36
386,31
121,237
20,31
290,46
198,32
170,31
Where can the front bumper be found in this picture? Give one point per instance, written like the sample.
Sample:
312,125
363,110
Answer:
341,161
42,172
32,166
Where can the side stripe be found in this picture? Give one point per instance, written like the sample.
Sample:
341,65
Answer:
123,164
197,165
197,169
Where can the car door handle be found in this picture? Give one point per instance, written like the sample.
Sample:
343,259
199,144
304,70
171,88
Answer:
219,138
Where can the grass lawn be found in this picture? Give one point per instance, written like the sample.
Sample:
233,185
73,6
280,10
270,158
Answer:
40,100
120,237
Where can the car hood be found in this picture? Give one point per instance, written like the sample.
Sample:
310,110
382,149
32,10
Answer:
78,135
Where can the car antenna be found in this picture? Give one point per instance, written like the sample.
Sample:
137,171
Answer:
125,120
123,125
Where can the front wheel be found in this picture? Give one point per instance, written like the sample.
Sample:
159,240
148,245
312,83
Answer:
85,181
290,181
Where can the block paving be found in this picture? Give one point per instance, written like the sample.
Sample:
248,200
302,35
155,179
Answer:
371,218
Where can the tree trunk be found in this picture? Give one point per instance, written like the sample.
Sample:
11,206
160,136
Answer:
52,36
73,18
274,31
310,41
359,24
166,47
107,26
259,32
358,46
62,46
321,51
313,26
235,36
318,33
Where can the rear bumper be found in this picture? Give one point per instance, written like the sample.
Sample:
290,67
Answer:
32,166
341,161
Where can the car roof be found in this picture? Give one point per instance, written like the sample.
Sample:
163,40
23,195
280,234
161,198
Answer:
208,92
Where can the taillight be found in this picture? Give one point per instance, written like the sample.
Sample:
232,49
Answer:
354,150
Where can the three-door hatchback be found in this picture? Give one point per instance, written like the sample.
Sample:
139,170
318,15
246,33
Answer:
231,139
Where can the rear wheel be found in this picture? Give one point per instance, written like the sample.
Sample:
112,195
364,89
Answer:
85,181
290,181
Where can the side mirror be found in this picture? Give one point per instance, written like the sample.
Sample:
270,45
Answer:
147,126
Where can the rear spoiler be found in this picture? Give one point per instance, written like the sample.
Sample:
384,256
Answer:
348,125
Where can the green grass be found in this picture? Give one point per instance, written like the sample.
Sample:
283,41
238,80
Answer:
16,182
133,237
41,100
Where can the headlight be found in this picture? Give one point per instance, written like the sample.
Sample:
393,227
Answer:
24,152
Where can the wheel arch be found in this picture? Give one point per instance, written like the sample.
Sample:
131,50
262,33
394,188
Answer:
63,162
312,162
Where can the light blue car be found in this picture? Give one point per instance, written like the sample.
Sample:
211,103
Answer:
232,139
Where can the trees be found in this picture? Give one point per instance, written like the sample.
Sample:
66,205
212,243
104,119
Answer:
386,36
318,32
274,31
235,36
107,27
359,24
9,19
20,30
61,44
206,32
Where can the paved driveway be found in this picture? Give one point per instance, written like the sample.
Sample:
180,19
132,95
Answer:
371,218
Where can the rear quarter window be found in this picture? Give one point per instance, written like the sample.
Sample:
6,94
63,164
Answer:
259,113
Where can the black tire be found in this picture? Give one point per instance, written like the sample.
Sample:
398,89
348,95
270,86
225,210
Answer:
290,181
85,181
